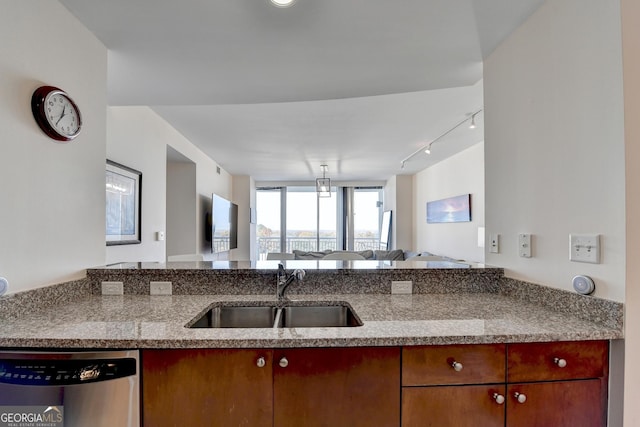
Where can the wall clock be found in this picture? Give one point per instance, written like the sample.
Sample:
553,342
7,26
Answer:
56,113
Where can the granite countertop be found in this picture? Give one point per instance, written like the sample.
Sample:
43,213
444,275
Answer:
144,321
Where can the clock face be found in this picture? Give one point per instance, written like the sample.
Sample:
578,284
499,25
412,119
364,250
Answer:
56,113
62,114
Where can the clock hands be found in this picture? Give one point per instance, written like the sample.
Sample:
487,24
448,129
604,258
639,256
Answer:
61,115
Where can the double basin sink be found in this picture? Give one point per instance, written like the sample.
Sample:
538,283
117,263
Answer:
272,315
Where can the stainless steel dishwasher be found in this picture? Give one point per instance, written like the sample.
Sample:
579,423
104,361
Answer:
70,389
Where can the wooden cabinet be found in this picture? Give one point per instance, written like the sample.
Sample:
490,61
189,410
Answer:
337,387
557,404
310,387
453,385
560,384
197,387
453,406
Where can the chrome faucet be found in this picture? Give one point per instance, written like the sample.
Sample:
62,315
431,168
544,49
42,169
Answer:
284,281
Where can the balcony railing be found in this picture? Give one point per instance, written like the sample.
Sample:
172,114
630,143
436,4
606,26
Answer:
272,244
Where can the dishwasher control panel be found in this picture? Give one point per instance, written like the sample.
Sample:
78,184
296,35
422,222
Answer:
64,371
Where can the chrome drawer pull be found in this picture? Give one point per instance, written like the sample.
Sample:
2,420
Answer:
560,362
498,398
521,398
283,362
457,366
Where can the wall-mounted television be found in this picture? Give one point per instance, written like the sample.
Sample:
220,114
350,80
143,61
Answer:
223,224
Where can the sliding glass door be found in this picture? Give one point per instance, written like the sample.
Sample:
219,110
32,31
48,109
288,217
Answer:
295,218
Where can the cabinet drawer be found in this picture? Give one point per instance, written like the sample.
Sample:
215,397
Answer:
435,365
557,361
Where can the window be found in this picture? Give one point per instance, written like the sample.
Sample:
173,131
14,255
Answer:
367,216
295,218
268,221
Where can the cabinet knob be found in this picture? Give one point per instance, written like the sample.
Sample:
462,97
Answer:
521,398
560,362
457,366
498,398
283,362
260,363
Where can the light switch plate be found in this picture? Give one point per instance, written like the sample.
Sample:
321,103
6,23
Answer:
160,288
584,248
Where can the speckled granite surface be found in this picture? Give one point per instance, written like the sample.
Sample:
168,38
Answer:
344,277
478,310
138,321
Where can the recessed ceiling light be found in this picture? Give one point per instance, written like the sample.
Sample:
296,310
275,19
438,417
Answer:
283,3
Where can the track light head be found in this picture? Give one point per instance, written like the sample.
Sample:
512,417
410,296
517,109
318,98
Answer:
473,122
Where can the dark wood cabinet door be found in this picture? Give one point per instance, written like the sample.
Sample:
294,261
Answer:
558,404
337,387
549,361
199,387
435,365
453,406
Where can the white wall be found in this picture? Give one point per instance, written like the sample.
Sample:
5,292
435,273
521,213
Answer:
52,217
457,175
631,54
182,217
398,197
554,147
138,137
244,195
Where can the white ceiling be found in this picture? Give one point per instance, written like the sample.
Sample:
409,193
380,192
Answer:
273,93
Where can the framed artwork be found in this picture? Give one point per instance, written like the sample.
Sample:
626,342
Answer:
452,209
123,204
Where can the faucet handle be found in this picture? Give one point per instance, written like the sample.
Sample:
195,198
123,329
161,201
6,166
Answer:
299,273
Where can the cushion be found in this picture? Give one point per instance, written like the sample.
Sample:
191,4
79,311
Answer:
394,255
368,254
310,255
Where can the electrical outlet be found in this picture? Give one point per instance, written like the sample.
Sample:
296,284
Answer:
401,287
584,248
112,288
160,288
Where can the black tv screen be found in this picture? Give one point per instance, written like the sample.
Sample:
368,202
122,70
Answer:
224,224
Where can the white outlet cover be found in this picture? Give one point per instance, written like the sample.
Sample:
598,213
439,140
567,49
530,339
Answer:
160,288
401,287
112,288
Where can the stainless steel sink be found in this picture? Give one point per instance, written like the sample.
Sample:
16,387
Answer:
319,316
237,317
269,315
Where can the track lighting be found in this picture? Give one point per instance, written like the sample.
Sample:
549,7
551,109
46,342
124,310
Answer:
427,148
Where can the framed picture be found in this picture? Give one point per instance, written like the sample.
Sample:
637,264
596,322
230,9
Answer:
123,203
452,209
